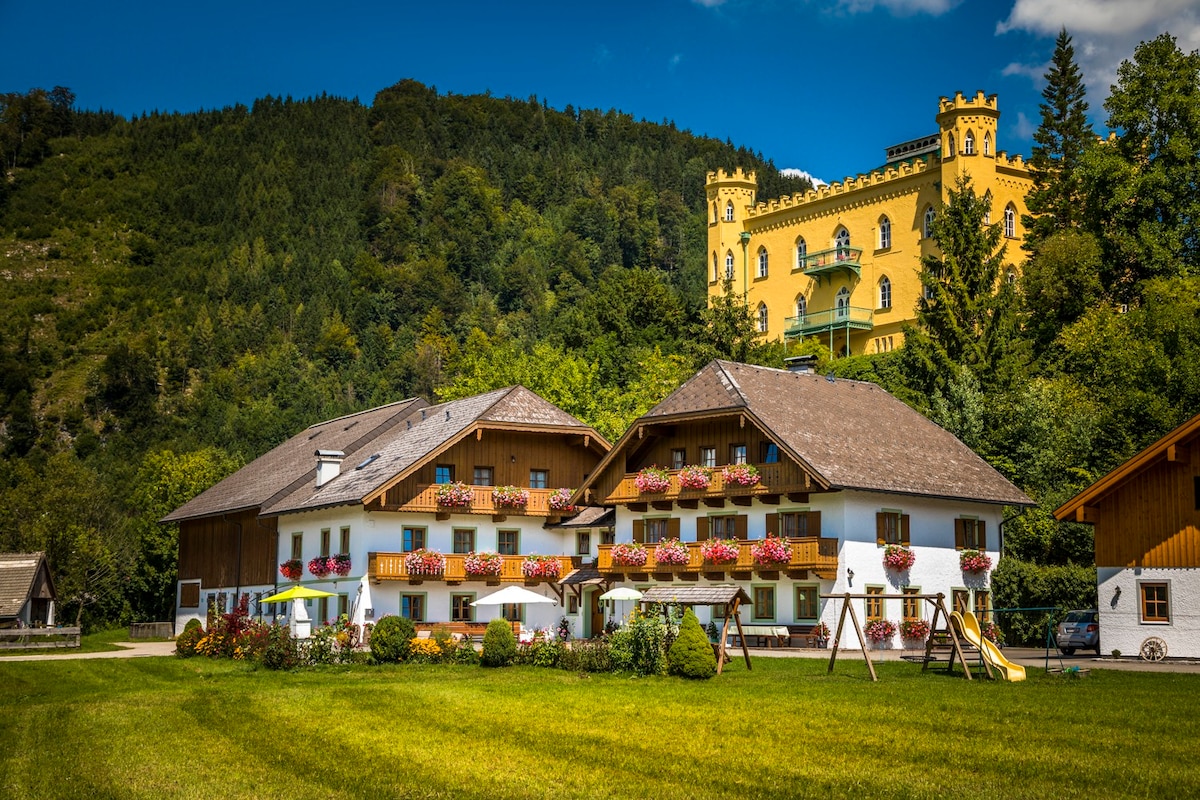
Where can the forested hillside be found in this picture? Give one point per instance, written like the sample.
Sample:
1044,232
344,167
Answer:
182,292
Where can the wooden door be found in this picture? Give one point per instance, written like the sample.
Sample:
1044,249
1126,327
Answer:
596,606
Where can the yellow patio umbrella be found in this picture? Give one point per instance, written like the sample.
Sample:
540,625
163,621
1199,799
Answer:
296,593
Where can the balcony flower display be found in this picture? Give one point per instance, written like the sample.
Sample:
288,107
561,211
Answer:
652,480
974,562
898,558
771,552
693,477
629,554
292,569
425,562
740,475
319,566
339,564
483,565
720,551
880,630
454,495
541,567
671,552
510,497
560,500
914,629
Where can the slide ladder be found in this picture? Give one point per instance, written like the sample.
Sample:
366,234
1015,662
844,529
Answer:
968,627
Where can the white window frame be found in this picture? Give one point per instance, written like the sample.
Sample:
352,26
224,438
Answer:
762,318
763,258
1010,221
885,233
729,211
885,292
801,252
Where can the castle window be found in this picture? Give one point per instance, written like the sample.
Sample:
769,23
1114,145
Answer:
1011,277
762,262
801,252
885,292
714,212
729,266
842,302
969,144
987,144
729,211
927,231
801,306
842,243
1010,221
885,233
762,317
715,274
950,145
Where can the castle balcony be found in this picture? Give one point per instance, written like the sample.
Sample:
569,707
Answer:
773,480
391,567
847,318
827,263
817,554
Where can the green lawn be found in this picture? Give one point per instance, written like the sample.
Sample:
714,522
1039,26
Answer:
92,643
155,727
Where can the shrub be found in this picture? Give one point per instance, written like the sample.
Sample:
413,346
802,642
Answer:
463,653
588,655
185,643
391,639
281,650
639,647
691,655
499,644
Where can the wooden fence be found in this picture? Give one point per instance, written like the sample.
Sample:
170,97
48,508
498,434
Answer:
37,638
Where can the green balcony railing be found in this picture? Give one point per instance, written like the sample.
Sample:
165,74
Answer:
828,262
845,318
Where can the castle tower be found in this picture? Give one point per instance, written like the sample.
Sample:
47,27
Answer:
967,127
730,197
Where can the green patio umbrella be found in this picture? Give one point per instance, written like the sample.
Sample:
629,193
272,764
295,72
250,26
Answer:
296,593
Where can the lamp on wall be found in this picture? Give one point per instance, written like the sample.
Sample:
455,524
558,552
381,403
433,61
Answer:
1116,592
849,576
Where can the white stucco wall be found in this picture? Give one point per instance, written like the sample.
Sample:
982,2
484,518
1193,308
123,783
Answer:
1121,626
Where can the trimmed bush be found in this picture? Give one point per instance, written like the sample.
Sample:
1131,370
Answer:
185,643
391,639
499,644
691,654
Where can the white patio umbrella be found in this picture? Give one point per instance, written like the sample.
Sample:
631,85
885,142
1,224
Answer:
621,593
362,602
513,594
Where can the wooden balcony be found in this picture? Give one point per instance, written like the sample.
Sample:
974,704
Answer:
819,554
774,479
481,503
390,567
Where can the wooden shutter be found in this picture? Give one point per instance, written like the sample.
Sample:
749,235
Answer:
639,531
673,528
960,534
741,526
880,527
701,529
189,595
904,540
980,535
814,523
773,524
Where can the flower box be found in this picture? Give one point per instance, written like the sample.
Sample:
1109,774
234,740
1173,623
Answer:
652,480
740,475
880,631
483,565
425,562
319,566
510,497
914,630
771,552
454,495
898,558
671,553
720,551
974,562
292,569
560,500
546,567
693,477
629,554
339,564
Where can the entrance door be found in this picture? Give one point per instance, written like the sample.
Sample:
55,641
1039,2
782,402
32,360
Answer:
596,607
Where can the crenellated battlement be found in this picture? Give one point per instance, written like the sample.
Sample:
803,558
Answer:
960,103
847,186
737,176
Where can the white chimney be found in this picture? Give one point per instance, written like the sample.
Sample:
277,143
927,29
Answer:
329,465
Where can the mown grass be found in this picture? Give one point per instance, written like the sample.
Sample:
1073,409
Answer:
159,727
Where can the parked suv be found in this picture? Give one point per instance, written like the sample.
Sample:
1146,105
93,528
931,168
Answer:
1079,630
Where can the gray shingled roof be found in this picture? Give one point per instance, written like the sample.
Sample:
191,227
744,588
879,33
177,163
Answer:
853,434
590,517
17,571
694,595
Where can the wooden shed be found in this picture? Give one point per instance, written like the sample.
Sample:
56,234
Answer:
27,593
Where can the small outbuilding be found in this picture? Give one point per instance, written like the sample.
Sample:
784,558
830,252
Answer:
27,595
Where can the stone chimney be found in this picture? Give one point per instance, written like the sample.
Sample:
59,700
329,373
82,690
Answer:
329,465
801,365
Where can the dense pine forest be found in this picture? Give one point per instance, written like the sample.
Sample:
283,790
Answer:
182,292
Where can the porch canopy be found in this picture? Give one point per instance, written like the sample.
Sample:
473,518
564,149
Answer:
731,597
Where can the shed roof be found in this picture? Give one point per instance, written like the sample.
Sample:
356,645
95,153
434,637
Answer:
695,595
589,517
17,574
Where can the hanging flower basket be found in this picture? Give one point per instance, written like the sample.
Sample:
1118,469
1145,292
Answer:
693,477
740,475
671,553
720,551
560,500
319,566
454,495
880,631
652,480
914,630
549,567
339,564
974,562
483,565
510,497
771,552
898,558
425,562
292,569
629,554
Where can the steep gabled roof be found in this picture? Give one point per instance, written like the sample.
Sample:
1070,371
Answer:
1185,433
292,464
17,574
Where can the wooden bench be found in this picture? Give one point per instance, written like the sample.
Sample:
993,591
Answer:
469,630
803,636
773,635
36,638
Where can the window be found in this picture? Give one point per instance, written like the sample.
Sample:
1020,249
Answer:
484,476
891,527
801,253
583,543
842,303
885,292
842,243
912,604
987,144
463,540
412,606
764,602
443,473
656,530
768,453
885,233
729,266
969,144
762,317
960,600
343,604
737,454
1010,221
708,456
508,543
608,536
189,595
678,458
729,211
1155,605
539,479
987,207
762,262
801,306
950,145
716,275
297,545
461,609
714,213
413,539
510,612
723,527
874,605
969,534
983,604
795,524
572,604
344,544
1011,277
325,542
807,601
323,611
927,229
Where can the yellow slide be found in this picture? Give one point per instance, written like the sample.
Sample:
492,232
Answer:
968,627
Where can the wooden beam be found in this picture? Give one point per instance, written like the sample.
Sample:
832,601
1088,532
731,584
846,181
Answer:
691,504
769,499
742,500
662,505
714,502
798,497
1087,514
1178,454
638,507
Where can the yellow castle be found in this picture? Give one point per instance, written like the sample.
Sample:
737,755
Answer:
841,262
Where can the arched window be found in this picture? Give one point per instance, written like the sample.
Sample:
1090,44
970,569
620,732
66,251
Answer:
762,262
885,233
801,252
987,143
950,145
714,212
885,292
729,211
969,144
1011,277
842,242
927,230
1010,221
716,276
801,306
987,207
762,317
842,303
729,266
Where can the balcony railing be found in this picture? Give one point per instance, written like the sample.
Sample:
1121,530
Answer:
778,478
482,503
847,317
390,567
815,553
827,262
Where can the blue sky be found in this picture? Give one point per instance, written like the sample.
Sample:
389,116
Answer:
817,85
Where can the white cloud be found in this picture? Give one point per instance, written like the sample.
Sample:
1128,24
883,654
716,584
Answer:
602,55
1035,72
1025,126
674,61
901,8
792,172
709,3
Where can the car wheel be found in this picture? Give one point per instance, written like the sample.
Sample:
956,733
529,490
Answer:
1068,651
1097,648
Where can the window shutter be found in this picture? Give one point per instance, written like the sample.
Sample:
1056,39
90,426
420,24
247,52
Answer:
639,531
904,540
673,528
980,535
773,524
701,529
880,527
960,534
814,523
741,526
